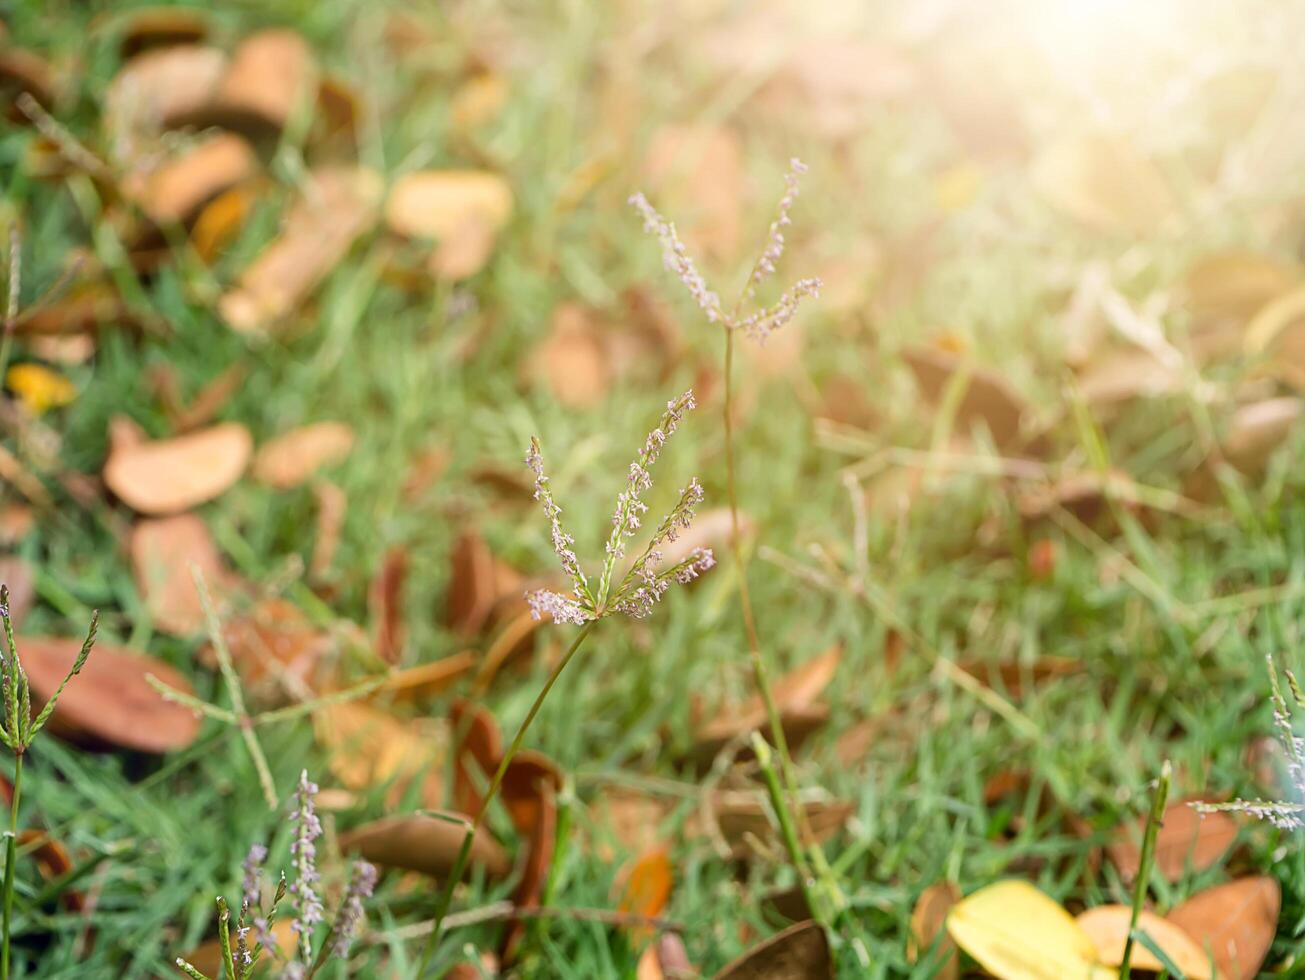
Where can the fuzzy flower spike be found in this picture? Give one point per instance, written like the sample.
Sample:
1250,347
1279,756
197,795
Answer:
762,321
646,582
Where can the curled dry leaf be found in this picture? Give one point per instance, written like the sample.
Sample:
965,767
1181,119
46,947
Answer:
172,475
161,27
1018,933
53,861
1234,923
156,91
1236,285
463,210
428,844
339,205
220,221
1186,838
1104,183
270,641
369,747
988,397
111,702
515,640
929,929
163,552
633,819
743,816
478,583
572,360
177,189
1108,925
1256,430
385,605
294,457
272,74
697,171
800,952
1086,495
477,742
529,792
795,695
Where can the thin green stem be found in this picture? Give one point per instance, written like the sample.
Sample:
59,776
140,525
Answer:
11,858
786,826
760,676
1144,867
464,853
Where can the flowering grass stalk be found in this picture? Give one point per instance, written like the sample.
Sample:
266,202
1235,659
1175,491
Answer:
17,733
758,324
634,595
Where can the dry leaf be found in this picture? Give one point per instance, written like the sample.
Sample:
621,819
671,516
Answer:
368,747
1018,933
1126,375
1235,923
270,640
478,100
296,456
1276,328
529,792
800,952
988,397
929,929
161,27
1108,926
173,475
711,529
665,958
385,605
53,861
25,71
646,884
220,221
1237,285
742,815
210,400
1086,495
339,205
39,388
463,210
332,504
110,702
476,741
272,74
426,680
164,553
572,360
1186,836
156,91
1104,183
177,189
427,844
1256,430
478,583
696,172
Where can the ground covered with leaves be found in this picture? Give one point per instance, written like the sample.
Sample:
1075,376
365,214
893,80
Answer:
297,285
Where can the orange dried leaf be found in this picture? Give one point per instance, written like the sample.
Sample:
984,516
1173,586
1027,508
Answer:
173,475
1108,926
163,553
1186,838
296,456
929,929
1235,923
423,843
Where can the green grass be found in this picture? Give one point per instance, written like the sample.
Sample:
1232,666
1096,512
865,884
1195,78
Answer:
1161,678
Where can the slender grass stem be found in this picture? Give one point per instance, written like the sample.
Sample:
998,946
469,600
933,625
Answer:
11,858
464,852
1144,867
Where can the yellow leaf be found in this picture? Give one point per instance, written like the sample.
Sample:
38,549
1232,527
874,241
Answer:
1018,933
39,388
1107,926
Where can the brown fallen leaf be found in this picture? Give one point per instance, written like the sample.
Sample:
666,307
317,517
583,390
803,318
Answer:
16,522
645,883
1104,183
988,397
332,505
696,172
271,639
1186,836
665,958
478,743
515,640
529,792
1236,284
572,359
338,109
172,475
272,74
632,819
1108,926
478,583
176,190
1086,495
84,310
385,605
1125,375
23,71
744,815
293,458
1235,923
155,91
220,221
53,861
929,932
339,205
161,27
800,952
711,529
1256,430
369,747
163,553
17,574
111,702
478,100
795,694
428,844
462,210
208,402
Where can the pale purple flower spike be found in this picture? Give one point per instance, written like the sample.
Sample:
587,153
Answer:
775,241
252,867
361,884
676,258
304,852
